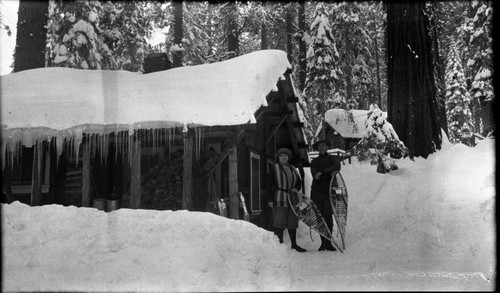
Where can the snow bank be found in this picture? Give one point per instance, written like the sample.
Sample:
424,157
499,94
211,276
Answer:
84,249
427,226
64,102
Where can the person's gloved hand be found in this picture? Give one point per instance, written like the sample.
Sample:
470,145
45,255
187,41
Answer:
270,204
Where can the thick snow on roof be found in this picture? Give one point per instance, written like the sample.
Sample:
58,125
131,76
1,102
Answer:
339,120
45,102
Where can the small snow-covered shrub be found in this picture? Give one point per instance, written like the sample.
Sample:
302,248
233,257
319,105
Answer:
380,145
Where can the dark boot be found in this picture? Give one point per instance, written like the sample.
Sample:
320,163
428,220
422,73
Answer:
279,232
293,239
322,246
329,246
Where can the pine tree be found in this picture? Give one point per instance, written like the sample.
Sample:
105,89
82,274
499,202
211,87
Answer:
480,62
457,101
75,38
92,35
322,76
380,145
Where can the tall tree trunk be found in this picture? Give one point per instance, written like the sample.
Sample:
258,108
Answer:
31,35
412,105
178,35
302,45
263,37
264,44
440,74
289,31
232,33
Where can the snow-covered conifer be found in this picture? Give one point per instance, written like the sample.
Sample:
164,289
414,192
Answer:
74,36
322,71
380,145
457,101
98,34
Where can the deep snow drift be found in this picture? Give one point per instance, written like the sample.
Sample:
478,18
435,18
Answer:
427,226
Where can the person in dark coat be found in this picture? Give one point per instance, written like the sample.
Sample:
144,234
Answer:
323,168
283,177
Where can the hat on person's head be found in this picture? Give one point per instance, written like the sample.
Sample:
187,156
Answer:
316,144
283,151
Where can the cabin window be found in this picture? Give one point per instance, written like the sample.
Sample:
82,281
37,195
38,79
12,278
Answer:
255,182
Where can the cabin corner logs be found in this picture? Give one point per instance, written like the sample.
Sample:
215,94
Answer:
164,169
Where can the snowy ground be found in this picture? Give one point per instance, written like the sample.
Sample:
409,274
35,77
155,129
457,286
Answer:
427,226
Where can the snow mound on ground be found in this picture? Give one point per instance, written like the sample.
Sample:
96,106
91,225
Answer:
77,248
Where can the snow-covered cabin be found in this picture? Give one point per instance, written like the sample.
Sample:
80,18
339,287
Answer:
183,138
343,128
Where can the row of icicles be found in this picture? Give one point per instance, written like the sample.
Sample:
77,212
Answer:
98,144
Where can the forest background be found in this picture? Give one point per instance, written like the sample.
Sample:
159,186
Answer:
341,51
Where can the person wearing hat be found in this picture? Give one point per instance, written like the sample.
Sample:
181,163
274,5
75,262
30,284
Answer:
323,168
283,177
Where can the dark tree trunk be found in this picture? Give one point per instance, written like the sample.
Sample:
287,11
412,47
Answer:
232,37
289,32
177,54
264,44
263,35
302,45
440,74
412,105
31,35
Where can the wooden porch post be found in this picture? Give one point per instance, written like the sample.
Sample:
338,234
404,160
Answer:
233,183
187,177
86,173
36,178
135,175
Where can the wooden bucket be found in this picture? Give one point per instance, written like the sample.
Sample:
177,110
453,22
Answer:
112,205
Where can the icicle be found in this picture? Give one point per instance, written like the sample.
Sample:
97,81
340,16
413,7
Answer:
99,146
153,134
165,141
119,147
107,149
130,135
77,141
115,135
59,145
3,150
196,143
169,138
198,147
94,145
